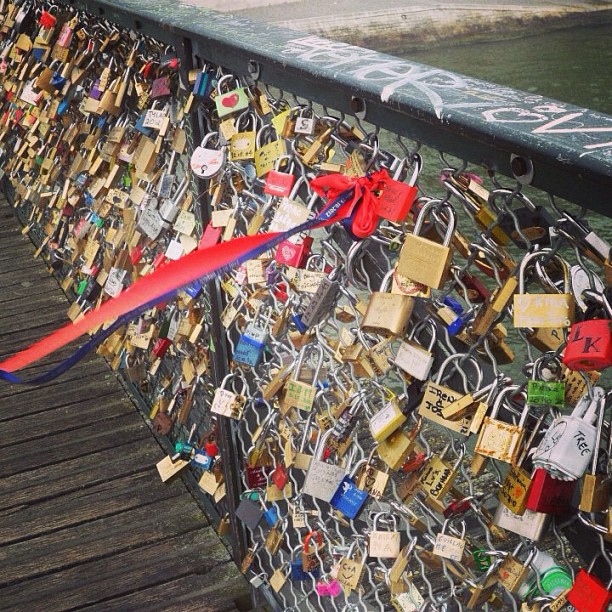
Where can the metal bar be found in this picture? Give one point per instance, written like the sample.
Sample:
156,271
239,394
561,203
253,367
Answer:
570,147
220,357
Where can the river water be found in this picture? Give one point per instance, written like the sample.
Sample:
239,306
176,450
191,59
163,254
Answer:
572,65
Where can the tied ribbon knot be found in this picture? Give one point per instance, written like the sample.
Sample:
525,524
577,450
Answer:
360,212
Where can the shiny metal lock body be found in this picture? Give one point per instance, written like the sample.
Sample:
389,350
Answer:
543,309
387,313
414,359
422,260
500,440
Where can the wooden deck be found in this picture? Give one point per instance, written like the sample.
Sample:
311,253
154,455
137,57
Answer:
85,522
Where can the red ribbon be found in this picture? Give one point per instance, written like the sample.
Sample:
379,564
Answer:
207,261
363,205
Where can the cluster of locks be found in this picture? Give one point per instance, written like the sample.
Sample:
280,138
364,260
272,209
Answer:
386,459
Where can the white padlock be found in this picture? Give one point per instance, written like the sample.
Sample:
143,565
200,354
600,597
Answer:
412,357
567,448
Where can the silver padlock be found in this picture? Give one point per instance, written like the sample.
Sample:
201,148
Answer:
567,448
412,357
530,524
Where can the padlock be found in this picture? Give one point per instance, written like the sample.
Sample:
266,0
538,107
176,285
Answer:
297,393
595,494
305,124
294,254
411,357
384,544
252,342
437,476
387,313
312,551
589,593
351,567
349,498
532,525
323,300
371,479
513,573
250,510
589,345
436,396
448,546
280,184
494,306
297,571
396,198
386,421
206,161
229,403
322,479
422,260
498,439
517,482
543,309
566,449
528,225
232,101
549,495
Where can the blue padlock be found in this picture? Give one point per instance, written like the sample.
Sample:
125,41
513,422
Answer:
349,498
298,573
271,516
252,343
201,459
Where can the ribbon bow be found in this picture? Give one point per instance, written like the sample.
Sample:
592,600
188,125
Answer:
359,212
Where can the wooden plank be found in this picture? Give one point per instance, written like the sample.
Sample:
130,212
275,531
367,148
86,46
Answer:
91,373
83,506
51,481
98,539
34,307
70,445
88,583
68,417
213,592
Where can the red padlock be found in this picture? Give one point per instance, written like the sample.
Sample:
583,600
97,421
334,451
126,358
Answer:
550,495
292,254
211,449
396,198
210,237
279,183
589,593
47,20
161,347
589,346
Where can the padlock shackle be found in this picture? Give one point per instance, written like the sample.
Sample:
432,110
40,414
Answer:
420,326
537,255
309,537
457,357
428,208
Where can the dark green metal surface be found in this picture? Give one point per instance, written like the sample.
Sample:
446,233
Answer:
571,147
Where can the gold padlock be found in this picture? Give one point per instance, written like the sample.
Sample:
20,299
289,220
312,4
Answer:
387,313
421,259
548,310
500,440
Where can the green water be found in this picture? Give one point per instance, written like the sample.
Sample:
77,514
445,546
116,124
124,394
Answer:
571,65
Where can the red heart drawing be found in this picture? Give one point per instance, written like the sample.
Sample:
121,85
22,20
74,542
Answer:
230,101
